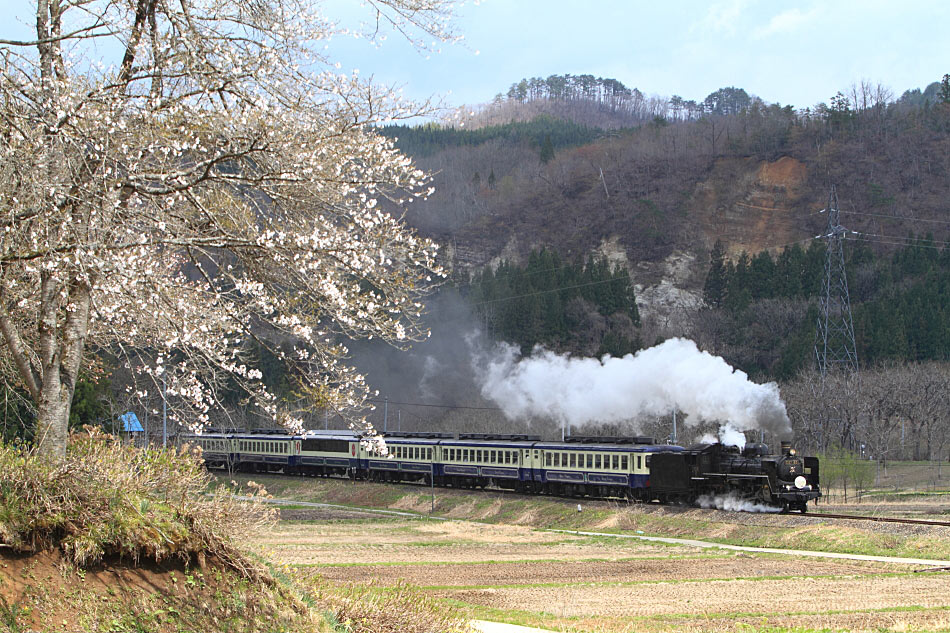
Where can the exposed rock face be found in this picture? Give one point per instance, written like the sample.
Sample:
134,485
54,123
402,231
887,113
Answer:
668,305
753,206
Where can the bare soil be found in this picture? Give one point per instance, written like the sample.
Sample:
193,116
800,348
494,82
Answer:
742,596
591,571
42,590
414,541
567,582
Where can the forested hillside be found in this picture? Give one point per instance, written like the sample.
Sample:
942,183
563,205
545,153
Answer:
666,179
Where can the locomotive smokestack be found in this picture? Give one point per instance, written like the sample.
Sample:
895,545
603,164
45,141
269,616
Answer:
786,447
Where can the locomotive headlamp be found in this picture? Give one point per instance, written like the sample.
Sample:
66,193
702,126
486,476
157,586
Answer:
800,482
791,451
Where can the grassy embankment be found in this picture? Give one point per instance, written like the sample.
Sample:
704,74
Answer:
791,531
118,539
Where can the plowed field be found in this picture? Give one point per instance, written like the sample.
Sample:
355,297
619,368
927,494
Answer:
572,583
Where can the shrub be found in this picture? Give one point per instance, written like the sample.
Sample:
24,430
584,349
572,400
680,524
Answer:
111,499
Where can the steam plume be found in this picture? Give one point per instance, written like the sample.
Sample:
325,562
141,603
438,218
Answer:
652,382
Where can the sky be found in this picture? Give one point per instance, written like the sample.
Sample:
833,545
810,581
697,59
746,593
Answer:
790,52
797,53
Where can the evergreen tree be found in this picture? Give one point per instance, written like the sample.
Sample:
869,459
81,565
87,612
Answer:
714,290
547,149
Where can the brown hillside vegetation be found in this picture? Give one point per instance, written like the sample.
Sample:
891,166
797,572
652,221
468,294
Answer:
754,180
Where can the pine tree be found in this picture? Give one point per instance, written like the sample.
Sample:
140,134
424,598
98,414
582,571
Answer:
714,290
945,89
547,149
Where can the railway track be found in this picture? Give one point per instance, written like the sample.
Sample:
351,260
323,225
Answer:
854,517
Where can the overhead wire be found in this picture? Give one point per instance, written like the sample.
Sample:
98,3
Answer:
893,217
435,406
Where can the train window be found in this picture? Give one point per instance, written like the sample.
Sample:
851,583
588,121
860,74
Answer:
615,462
429,454
623,463
548,459
648,461
573,459
597,461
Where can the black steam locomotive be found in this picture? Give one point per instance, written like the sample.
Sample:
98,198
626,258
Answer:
786,480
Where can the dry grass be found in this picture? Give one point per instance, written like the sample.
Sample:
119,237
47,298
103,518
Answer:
111,499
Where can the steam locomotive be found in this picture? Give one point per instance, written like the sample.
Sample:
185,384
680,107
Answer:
786,480
635,468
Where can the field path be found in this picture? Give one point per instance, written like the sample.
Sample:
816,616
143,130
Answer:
765,550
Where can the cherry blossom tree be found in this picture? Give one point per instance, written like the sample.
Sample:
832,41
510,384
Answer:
217,181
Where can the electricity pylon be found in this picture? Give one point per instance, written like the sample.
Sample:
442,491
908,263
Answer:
834,338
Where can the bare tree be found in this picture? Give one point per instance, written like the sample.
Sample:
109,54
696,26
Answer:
216,183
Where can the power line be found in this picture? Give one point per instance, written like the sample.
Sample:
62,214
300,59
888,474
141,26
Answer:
436,406
904,244
910,241
893,217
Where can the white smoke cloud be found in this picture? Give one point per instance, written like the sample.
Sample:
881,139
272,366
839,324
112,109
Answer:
652,382
728,435
734,503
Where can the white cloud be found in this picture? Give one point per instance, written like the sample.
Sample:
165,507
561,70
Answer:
787,22
721,17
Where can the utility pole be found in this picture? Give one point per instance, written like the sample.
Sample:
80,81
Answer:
326,419
385,413
673,439
834,338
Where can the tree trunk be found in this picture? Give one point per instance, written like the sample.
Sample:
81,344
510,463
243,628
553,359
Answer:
61,354
52,419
